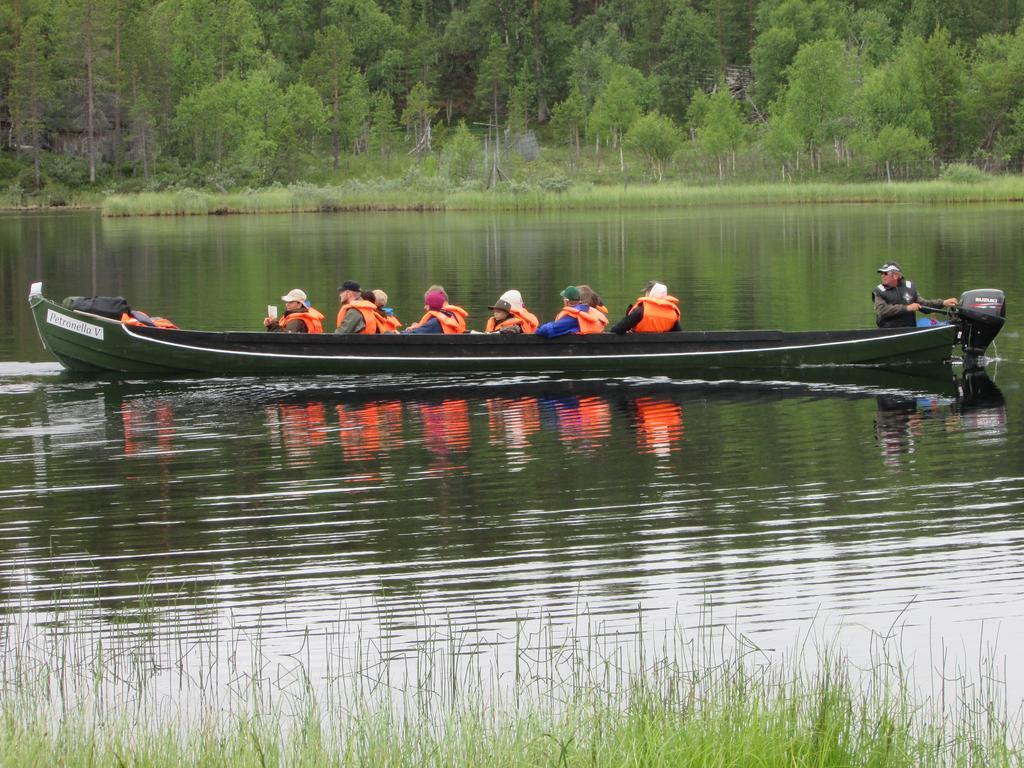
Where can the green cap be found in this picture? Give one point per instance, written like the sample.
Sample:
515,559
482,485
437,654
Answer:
572,293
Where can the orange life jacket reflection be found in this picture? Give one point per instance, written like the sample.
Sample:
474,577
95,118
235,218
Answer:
367,432
158,322
591,321
659,425
446,426
311,317
450,323
365,308
660,315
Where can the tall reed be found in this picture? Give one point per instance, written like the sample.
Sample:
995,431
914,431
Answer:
553,696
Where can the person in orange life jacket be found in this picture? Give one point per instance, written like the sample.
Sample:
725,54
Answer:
896,299
349,293
437,318
358,315
503,321
654,312
515,299
589,296
576,317
297,318
459,312
386,320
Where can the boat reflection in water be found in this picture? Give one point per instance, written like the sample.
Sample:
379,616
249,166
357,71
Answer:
302,423
902,418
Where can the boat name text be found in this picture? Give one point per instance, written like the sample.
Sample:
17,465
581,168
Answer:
71,324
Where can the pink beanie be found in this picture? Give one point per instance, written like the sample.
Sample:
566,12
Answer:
434,300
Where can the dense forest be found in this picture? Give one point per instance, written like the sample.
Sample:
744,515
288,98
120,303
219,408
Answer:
151,94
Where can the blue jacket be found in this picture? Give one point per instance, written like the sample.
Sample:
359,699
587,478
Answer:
563,327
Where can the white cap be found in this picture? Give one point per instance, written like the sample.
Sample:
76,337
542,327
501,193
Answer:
295,294
658,291
513,297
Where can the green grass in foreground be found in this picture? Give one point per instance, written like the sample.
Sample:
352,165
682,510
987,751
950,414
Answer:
575,703
389,196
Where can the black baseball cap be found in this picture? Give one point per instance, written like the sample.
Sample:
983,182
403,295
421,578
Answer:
350,285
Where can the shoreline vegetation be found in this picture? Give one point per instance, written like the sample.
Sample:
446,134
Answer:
387,196
596,698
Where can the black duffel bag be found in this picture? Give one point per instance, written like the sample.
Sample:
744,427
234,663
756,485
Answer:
104,306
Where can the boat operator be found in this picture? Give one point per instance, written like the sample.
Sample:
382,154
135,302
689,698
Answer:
896,299
298,317
654,312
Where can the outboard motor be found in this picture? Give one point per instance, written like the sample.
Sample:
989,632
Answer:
981,313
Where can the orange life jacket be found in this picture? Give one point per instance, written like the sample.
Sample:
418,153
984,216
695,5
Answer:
387,323
508,322
660,315
530,321
365,308
311,317
159,322
591,320
460,315
449,323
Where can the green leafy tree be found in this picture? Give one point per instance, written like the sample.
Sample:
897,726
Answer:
251,126
355,114
891,95
213,39
373,34
688,56
461,154
521,100
657,138
329,70
417,116
493,78
382,122
895,145
615,112
32,89
781,142
819,100
940,67
783,27
83,34
568,116
721,130
993,87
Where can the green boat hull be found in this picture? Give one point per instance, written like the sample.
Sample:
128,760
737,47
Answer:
93,344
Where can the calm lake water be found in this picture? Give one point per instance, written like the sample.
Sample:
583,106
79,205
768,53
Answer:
388,508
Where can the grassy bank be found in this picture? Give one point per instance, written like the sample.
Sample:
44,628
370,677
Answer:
576,702
388,196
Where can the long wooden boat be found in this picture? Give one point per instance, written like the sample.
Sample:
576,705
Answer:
90,343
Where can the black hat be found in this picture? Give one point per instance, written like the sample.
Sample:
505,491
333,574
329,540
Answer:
350,285
503,305
890,266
